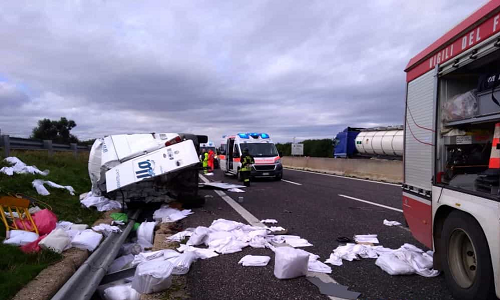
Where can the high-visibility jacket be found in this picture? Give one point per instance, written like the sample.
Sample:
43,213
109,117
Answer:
246,162
205,160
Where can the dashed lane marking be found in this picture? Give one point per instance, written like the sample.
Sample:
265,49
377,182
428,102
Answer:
372,203
344,177
291,182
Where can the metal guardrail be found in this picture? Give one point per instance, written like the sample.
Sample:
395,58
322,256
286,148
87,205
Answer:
9,143
83,284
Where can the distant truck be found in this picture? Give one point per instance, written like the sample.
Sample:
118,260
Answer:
260,146
146,167
384,142
451,186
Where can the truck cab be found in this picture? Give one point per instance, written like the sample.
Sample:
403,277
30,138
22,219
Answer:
451,195
260,146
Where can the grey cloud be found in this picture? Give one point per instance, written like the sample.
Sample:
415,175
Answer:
290,68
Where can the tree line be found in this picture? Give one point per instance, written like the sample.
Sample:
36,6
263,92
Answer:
313,148
58,131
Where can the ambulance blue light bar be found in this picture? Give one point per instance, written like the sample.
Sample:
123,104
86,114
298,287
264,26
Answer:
254,135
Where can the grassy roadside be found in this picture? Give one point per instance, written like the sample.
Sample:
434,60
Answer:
17,268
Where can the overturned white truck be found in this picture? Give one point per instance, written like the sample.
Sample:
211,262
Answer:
143,168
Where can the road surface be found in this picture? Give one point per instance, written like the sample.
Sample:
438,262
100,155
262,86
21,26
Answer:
310,205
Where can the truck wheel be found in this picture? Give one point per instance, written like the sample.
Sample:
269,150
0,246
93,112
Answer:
239,176
278,177
466,258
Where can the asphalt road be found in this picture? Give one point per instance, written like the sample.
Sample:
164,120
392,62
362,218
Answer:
315,211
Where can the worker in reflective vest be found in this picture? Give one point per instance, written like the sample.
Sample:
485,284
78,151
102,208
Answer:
205,163
246,167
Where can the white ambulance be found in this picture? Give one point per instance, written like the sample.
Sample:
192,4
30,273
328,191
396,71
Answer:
260,146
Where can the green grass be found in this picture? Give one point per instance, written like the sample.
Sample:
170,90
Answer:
17,268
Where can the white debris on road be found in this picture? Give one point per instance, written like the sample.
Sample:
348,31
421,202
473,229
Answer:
254,260
179,236
366,238
406,260
269,221
391,223
276,228
38,184
236,190
166,214
101,203
19,167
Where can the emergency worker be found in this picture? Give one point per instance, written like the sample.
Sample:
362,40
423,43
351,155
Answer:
246,167
211,156
205,162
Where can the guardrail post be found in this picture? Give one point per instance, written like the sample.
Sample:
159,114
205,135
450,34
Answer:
47,144
6,145
74,148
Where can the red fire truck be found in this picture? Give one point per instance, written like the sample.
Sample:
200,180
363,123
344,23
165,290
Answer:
451,195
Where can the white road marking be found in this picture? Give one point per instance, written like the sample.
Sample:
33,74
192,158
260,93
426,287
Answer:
372,203
291,182
345,177
252,220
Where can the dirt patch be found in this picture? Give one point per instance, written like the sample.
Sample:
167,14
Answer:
48,282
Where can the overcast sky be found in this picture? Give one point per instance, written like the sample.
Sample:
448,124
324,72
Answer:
303,69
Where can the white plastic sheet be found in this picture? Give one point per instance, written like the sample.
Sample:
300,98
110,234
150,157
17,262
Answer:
269,221
183,262
317,266
276,228
120,263
167,214
56,241
254,261
200,252
198,236
106,229
236,190
179,236
101,203
290,263
145,234
295,241
227,245
225,225
19,167
20,237
147,256
153,276
405,262
391,223
366,238
121,292
38,184
87,239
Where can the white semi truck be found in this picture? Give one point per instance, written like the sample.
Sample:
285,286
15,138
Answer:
451,197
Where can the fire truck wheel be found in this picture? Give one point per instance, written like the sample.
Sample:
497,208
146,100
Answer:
239,176
466,258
